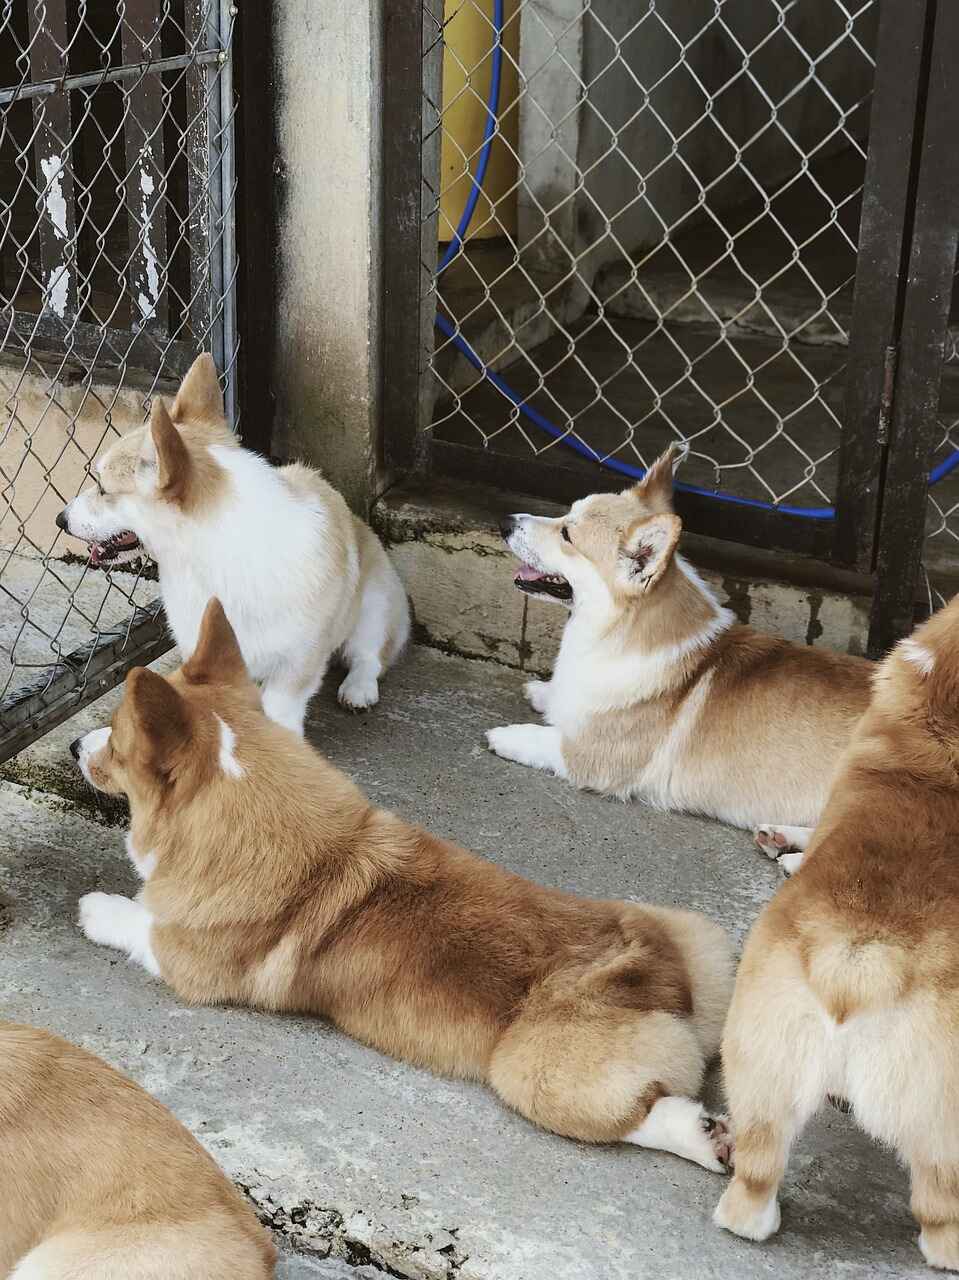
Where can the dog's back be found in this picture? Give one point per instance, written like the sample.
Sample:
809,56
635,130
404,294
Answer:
875,905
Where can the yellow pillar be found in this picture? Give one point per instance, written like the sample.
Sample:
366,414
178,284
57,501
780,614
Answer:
467,65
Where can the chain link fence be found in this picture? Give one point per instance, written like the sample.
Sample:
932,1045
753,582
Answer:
665,242
941,554
117,266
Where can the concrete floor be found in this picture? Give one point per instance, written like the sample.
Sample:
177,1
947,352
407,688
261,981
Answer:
349,1154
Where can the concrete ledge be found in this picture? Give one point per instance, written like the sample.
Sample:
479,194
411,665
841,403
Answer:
445,543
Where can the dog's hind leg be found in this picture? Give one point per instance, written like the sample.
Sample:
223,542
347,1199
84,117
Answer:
382,626
610,1075
935,1206
682,1127
775,1064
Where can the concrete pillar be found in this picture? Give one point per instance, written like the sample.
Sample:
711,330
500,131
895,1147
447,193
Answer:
329,120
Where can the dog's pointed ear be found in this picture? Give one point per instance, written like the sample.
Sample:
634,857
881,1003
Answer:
199,399
656,487
167,453
162,718
217,658
646,551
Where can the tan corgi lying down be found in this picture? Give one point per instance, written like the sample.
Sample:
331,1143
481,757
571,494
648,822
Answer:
849,984
100,1182
657,693
271,881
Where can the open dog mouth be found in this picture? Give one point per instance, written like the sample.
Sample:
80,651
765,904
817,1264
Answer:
535,583
119,549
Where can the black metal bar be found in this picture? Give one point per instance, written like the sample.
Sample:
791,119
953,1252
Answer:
402,177
146,269
932,264
751,526
93,79
81,677
256,154
201,34
91,345
53,136
892,166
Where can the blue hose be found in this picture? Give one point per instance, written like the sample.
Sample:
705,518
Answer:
565,438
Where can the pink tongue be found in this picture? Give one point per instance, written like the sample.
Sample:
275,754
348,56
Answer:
528,574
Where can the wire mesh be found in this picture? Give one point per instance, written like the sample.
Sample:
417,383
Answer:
117,267
941,551
666,244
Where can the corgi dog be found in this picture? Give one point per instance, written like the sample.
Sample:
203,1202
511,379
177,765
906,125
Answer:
849,983
302,578
271,881
101,1182
657,693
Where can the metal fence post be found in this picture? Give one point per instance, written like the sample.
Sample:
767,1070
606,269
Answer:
932,264
402,198
884,239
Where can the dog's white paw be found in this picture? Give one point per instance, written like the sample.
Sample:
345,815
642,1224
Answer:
536,693
358,691
511,741
721,1145
738,1212
102,917
789,863
771,840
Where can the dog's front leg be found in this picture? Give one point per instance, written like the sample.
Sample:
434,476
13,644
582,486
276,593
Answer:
538,745
286,700
536,693
110,920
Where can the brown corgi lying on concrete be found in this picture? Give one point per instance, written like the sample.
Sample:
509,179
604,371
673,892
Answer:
272,881
657,693
849,984
100,1182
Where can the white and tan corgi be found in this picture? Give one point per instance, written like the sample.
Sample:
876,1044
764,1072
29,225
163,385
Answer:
302,578
271,881
657,693
849,984
100,1182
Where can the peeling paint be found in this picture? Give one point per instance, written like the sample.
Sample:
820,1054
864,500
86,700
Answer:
57,290
147,302
54,201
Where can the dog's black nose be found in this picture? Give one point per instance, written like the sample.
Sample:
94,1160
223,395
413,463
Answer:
62,519
75,748
507,525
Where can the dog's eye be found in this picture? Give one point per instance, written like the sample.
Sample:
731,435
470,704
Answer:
566,537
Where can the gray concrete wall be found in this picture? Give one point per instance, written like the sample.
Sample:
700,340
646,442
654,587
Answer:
328,339
459,575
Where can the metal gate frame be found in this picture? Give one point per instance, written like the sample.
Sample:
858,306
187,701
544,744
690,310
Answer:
927,291
244,289
901,301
